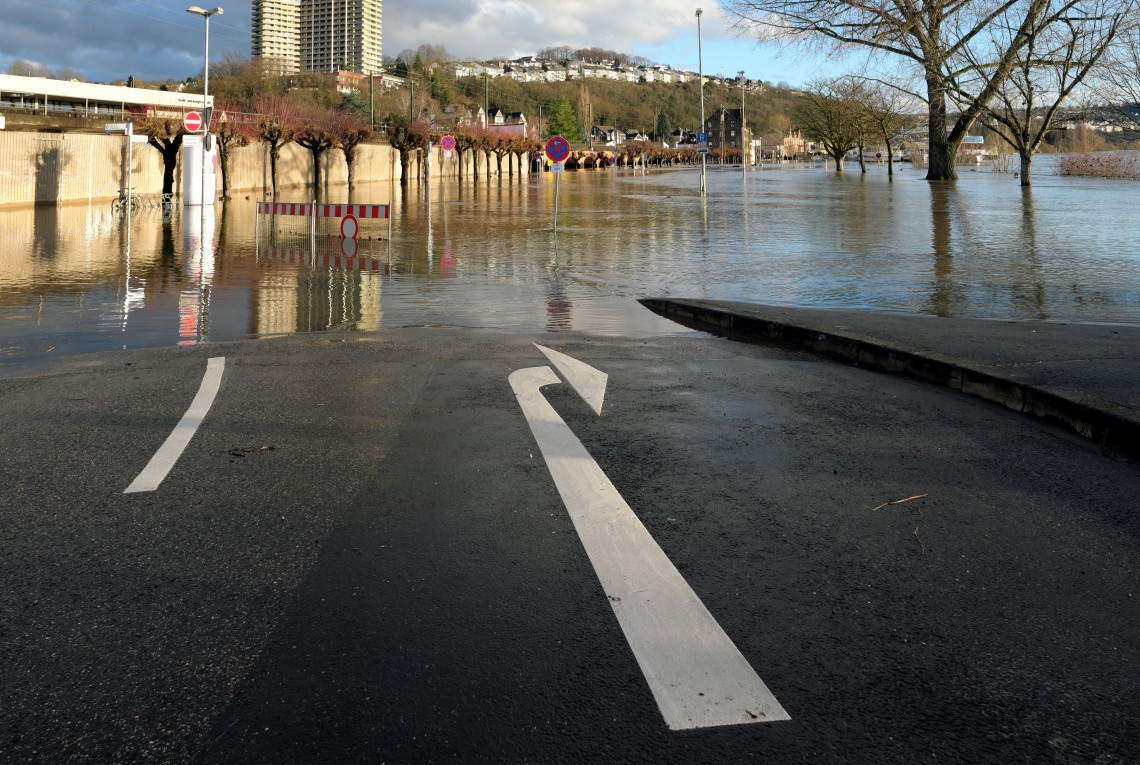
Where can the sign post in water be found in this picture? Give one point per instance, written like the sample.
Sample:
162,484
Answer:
557,150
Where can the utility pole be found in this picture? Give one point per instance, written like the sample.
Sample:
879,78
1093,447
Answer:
411,97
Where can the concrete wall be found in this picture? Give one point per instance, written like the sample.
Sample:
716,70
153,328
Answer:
48,168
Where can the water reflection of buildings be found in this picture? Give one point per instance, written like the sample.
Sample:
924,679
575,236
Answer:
302,290
198,267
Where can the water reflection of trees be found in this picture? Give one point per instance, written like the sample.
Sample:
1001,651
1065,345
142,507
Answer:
1028,285
943,199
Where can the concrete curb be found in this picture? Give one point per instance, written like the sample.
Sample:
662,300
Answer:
1106,428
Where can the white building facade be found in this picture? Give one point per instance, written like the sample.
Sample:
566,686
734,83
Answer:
295,36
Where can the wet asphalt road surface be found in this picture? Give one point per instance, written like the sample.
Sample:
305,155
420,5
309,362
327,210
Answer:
362,557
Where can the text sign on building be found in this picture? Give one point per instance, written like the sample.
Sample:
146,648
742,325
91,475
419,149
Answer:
192,122
557,148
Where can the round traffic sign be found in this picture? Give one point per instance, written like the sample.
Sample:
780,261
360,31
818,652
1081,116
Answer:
557,148
348,227
192,121
447,143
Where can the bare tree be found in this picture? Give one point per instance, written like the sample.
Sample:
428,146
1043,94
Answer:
500,145
277,126
404,140
1053,62
315,133
469,139
886,113
165,134
24,68
942,39
827,112
1120,77
350,130
233,130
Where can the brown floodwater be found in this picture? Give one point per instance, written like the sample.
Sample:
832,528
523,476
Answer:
82,278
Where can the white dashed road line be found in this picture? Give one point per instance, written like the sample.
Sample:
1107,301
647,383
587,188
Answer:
168,454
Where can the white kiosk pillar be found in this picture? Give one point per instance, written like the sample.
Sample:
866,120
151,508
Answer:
192,179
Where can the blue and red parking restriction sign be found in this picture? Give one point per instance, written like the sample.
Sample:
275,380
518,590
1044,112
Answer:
447,143
557,149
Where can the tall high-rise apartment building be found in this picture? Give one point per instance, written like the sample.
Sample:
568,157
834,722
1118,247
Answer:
318,35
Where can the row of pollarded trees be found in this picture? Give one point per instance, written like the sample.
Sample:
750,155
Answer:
470,140
276,120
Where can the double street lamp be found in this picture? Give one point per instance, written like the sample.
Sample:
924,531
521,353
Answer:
206,14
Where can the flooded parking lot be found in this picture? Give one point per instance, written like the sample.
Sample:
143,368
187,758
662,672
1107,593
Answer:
82,278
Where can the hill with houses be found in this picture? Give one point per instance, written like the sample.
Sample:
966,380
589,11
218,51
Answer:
613,97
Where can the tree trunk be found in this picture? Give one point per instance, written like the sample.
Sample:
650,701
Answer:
862,160
838,157
890,160
273,168
169,162
1026,168
316,173
223,165
403,167
943,154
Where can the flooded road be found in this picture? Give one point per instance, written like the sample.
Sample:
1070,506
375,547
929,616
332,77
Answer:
78,279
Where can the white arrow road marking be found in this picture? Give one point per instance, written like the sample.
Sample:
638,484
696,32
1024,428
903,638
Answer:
167,454
697,676
590,383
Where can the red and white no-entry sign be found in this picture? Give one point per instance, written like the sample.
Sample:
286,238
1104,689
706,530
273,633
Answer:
348,227
192,122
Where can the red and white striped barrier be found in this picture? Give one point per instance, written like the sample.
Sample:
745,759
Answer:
323,211
348,215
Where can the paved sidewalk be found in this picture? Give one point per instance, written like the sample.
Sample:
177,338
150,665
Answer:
1086,376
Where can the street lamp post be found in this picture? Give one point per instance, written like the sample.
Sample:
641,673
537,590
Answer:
205,93
743,134
701,85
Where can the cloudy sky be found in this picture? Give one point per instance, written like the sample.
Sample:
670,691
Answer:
156,39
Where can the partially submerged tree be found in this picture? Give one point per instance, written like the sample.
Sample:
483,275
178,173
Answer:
314,132
886,114
944,40
231,130
404,140
165,134
501,144
1053,62
832,117
350,130
277,127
